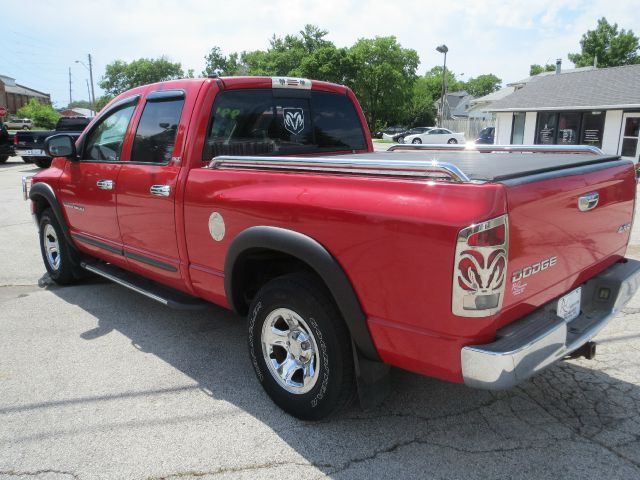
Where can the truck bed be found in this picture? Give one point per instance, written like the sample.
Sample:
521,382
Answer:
496,167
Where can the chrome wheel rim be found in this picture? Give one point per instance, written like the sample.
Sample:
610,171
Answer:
51,246
290,351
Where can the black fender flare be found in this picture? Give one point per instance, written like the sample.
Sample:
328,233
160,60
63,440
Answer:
43,190
311,252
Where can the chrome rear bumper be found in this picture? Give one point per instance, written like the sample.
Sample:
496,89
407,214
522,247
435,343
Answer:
541,338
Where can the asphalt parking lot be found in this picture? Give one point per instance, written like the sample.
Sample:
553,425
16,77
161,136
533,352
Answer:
99,382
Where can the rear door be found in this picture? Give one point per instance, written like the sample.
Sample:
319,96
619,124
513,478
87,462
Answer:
88,185
146,190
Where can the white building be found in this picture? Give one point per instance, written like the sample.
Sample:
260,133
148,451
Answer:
599,107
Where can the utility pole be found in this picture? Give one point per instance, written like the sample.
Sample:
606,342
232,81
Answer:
443,49
93,95
70,99
89,95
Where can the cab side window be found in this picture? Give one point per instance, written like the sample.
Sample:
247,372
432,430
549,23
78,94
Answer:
106,139
156,133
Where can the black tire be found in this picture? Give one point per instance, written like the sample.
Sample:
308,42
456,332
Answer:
400,140
416,141
452,141
62,270
24,127
27,159
42,162
4,158
334,384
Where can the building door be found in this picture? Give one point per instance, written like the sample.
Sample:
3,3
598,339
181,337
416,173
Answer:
629,147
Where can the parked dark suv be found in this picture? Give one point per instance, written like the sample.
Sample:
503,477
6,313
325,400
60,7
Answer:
486,136
6,146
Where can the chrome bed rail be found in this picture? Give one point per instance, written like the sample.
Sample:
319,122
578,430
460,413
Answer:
367,166
579,149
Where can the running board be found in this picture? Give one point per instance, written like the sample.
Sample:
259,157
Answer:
165,295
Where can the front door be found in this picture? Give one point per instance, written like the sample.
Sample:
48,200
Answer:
146,191
629,144
88,192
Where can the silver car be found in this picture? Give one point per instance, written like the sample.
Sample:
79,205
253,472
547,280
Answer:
19,124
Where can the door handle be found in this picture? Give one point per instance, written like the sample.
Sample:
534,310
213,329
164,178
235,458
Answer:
105,184
588,201
160,190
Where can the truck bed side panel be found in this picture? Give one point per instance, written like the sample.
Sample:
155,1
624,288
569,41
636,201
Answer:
393,238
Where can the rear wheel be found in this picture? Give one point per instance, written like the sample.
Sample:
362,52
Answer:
27,159
400,140
416,141
4,158
452,141
56,252
300,347
42,162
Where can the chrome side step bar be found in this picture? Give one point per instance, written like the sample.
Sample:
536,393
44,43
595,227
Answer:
150,289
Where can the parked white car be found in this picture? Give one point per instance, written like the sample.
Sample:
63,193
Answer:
436,135
19,124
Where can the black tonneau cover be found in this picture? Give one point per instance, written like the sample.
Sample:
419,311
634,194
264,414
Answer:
497,166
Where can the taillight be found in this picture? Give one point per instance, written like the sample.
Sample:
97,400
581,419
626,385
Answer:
479,272
15,139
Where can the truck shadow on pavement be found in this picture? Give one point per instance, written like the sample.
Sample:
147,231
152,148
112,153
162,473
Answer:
571,421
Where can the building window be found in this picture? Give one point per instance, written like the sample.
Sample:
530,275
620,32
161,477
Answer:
517,132
592,128
546,131
568,128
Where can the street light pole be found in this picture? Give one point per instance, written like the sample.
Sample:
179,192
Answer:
443,49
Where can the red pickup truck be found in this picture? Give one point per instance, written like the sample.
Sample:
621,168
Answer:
264,195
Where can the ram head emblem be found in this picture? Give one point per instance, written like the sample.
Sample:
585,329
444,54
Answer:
480,274
294,120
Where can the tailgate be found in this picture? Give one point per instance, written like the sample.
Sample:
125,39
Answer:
554,243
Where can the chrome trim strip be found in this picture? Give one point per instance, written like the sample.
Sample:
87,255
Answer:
429,169
581,149
124,283
492,368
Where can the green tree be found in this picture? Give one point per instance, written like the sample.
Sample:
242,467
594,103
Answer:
536,69
384,75
120,76
43,115
102,101
216,63
482,85
427,90
285,54
328,63
610,46
80,104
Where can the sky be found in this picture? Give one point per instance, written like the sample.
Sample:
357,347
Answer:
502,37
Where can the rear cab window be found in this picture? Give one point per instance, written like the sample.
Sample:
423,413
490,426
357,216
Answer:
275,122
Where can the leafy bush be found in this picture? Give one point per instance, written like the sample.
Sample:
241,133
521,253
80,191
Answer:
42,115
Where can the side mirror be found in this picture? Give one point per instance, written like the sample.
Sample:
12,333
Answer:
60,146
